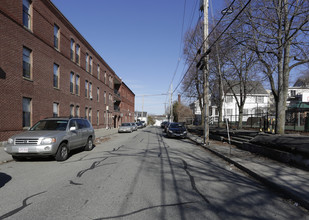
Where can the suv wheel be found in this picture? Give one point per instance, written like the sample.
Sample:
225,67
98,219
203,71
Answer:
18,158
89,144
62,153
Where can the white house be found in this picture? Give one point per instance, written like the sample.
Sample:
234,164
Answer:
141,116
257,102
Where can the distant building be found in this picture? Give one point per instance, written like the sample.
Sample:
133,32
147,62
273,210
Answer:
141,116
48,69
158,119
298,101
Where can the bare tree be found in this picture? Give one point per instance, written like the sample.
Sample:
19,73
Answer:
239,76
277,31
193,81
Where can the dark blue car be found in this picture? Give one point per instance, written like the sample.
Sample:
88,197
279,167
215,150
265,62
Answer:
176,130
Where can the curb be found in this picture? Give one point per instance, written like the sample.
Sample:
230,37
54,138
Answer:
287,194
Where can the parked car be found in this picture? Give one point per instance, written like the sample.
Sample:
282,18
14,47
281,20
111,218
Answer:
176,130
144,123
52,137
125,127
163,124
166,126
139,124
134,125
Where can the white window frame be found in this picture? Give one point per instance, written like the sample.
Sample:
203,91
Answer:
72,82
77,53
72,50
56,37
27,14
56,76
27,59
27,108
56,109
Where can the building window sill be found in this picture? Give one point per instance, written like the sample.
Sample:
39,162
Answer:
28,79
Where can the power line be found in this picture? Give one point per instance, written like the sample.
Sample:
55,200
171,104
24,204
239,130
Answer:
216,39
181,41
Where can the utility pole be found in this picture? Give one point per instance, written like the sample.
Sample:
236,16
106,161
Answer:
171,109
142,109
205,74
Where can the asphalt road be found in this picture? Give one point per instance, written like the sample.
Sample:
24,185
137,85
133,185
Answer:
141,175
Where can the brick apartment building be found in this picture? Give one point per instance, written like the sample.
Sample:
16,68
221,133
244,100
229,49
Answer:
48,69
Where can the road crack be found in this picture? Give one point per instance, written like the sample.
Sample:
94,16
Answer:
24,205
144,209
93,166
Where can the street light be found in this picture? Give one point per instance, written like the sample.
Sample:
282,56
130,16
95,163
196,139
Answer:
227,11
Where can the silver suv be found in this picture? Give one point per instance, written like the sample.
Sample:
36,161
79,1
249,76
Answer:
52,137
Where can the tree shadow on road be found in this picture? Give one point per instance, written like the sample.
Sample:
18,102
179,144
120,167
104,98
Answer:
4,178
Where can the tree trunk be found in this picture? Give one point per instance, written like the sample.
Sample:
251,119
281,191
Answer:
241,110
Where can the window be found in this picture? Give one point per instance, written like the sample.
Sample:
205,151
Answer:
105,118
71,110
77,85
98,117
90,90
98,94
229,98
72,82
293,93
104,97
90,65
259,99
77,111
98,71
56,37
111,82
105,77
56,76
77,55
27,13
72,52
26,112
86,88
229,112
26,63
86,113
55,109
90,115
87,62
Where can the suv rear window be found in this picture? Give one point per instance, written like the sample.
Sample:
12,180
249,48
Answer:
50,125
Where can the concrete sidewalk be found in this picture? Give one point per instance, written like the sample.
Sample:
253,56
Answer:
100,133
291,182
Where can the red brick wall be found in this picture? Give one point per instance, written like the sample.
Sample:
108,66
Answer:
40,89
127,103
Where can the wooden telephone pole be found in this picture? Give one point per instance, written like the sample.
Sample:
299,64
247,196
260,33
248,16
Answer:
204,7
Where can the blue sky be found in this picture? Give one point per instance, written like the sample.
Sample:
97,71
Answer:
141,40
